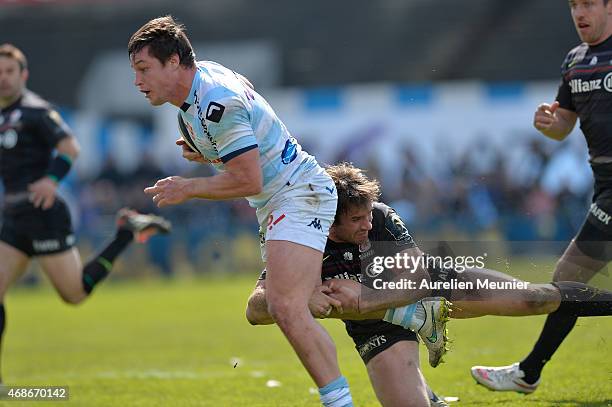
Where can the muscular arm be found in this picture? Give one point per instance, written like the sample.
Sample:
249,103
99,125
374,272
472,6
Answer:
380,299
242,178
319,304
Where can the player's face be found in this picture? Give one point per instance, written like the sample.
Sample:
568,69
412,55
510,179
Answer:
354,225
156,80
592,19
12,79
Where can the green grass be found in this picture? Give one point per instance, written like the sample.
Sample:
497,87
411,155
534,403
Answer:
157,343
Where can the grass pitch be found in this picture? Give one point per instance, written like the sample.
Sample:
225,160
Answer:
187,343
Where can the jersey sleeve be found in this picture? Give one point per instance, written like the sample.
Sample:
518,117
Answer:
53,127
397,232
564,93
230,128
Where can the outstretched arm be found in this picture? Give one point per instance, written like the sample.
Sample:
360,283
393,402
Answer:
321,305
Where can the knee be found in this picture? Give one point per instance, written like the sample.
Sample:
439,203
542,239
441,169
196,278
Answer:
565,271
252,316
284,311
73,298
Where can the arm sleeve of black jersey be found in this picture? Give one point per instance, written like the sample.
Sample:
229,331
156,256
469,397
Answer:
564,93
397,232
53,127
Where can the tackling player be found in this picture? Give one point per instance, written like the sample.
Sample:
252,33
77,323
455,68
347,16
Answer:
35,220
389,352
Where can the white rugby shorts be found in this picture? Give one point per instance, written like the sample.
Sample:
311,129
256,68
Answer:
302,212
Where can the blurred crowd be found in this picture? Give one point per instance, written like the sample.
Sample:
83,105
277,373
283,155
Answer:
534,191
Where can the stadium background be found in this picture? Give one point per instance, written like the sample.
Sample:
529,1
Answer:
433,97
428,96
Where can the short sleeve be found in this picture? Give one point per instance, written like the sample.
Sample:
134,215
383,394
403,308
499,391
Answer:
230,128
53,127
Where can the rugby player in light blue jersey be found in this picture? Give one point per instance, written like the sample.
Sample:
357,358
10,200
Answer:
228,124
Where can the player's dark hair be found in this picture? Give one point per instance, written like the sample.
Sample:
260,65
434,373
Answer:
354,188
12,52
164,37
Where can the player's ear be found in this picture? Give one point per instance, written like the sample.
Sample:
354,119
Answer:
174,61
25,74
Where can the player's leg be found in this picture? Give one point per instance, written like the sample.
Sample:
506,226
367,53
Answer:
475,301
391,356
293,272
396,376
12,266
579,300
73,281
295,229
584,257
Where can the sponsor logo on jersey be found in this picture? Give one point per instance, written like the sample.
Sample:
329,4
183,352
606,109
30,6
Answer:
212,141
584,86
214,112
289,152
8,139
607,82
372,271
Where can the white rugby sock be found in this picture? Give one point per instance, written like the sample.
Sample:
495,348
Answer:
336,394
409,316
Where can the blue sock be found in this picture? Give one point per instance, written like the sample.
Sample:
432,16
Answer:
336,394
401,315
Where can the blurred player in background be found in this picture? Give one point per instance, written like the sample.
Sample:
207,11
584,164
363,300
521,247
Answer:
231,126
585,93
35,220
390,352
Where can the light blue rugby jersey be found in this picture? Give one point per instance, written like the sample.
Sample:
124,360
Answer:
225,117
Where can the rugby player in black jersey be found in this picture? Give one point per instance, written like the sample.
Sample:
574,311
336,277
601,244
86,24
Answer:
360,224
389,352
37,150
585,93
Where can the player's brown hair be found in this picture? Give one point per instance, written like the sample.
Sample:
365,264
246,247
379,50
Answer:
164,37
354,188
10,51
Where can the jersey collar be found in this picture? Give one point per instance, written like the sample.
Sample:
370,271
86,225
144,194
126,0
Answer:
191,96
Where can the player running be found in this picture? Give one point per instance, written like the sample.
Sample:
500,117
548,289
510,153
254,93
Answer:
35,220
585,92
233,127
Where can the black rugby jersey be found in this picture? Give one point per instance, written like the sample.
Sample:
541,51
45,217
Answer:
29,132
586,88
388,236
